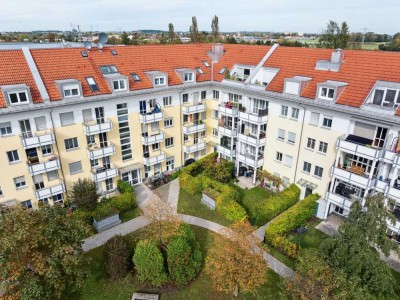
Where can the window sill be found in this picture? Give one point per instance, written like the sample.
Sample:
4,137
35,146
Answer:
48,154
281,140
327,128
304,172
294,119
15,162
314,125
287,165
317,177
309,149
290,143
67,125
7,135
169,146
21,188
283,117
321,153
76,173
72,149
278,161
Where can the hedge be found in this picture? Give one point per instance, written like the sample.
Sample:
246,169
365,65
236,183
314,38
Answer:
191,185
273,206
197,167
293,218
116,257
124,187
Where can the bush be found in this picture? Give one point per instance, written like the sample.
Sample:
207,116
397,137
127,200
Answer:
123,202
103,210
176,174
293,218
269,209
149,263
124,187
198,167
83,215
191,185
84,194
116,257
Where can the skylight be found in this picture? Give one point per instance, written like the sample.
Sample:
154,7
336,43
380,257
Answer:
199,70
108,69
113,52
222,70
84,54
206,64
92,84
135,77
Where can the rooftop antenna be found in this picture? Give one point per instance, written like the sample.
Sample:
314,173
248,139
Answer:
364,31
87,45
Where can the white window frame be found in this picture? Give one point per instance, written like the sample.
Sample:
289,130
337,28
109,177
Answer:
6,129
279,156
324,146
77,172
69,89
326,97
170,164
327,118
17,93
14,156
169,120
169,142
21,183
396,97
288,158
281,137
291,138
284,111
311,143
215,94
118,81
160,80
319,169
71,142
295,113
167,101
307,167
189,77
215,132
215,114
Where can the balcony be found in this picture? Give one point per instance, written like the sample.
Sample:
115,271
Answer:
194,147
394,191
252,139
226,150
151,117
188,109
152,160
251,160
50,191
227,131
259,117
153,139
340,200
97,126
95,151
102,173
37,167
352,175
358,146
41,138
193,127
228,110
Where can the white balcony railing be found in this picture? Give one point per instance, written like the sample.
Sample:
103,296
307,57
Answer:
101,173
150,118
353,148
227,131
350,177
226,151
339,200
195,147
393,192
96,127
38,139
152,160
50,191
381,185
228,111
250,160
193,128
152,139
254,118
95,152
43,167
188,109
252,139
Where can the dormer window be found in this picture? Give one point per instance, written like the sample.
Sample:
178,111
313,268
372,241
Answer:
135,77
92,84
119,84
70,91
189,77
386,97
111,69
159,80
330,90
17,98
326,93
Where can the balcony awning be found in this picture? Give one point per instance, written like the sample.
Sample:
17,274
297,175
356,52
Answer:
307,184
131,167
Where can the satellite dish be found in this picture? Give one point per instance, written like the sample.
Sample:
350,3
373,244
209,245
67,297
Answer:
103,38
100,45
87,45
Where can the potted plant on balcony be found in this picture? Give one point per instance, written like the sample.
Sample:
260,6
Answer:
346,160
242,109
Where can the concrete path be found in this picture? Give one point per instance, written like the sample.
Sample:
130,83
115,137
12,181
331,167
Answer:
260,233
143,194
173,196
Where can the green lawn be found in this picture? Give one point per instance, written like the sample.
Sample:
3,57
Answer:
254,196
98,287
191,205
130,214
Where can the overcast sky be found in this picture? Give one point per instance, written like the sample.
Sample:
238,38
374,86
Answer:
380,16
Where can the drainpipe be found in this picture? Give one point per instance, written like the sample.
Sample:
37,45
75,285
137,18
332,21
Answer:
301,136
181,124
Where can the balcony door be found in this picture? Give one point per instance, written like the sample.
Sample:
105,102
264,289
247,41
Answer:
380,137
26,129
142,107
99,111
103,139
106,162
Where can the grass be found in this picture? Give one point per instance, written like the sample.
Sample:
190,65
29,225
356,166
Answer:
253,197
191,205
98,287
130,214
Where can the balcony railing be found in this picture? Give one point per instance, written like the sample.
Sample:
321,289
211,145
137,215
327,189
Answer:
260,117
359,146
151,117
352,176
340,200
50,191
252,139
152,160
194,127
97,126
227,131
95,151
228,110
153,139
194,147
103,173
188,109
36,168
38,139
226,150
250,159
394,191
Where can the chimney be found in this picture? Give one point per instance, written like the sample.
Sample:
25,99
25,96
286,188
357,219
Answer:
337,56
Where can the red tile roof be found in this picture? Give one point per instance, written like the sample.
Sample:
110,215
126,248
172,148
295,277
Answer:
15,70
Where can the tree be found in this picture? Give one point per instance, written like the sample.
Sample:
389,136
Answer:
215,28
343,37
263,175
84,194
41,253
149,263
116,257
171,33
354,249
125,39
194,31
233,263
334,36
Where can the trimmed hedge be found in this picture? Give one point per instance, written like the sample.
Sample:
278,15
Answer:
293,218
124,187
197,167
116,257
273,206
123,202
191,185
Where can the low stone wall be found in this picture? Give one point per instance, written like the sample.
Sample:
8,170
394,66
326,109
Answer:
106,223
208,201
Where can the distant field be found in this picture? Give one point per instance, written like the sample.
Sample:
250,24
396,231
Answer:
371,46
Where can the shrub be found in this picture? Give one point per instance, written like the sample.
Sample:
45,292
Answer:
198,167
176,174
191,185
84,194
116,257
149,263
124,187
273,206
229,208
123,202
103,210
293,218
83,215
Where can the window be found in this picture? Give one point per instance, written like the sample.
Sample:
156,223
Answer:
170,163
323,147
90,139
155,146
307,167
67,118
185,118
92,84
185,137
215,94
215,132
222,71
285,180
27,204
108,69
167,101
46,150
70,91
5,128
279,156
168,122
40,123
386,97
295,113
326,93
71,143
1,192
169,142
189,77
119,85
124,131
318,171
310,143
94,163
199,70
288,160
75,167
109,184
113,52
314,119
284,110
185,98
215,114
327,122
58,199
17,98
135,77
203,133
206,64
20,182
234,97
159,80
203,95
52,175
13,156
281,134
291,137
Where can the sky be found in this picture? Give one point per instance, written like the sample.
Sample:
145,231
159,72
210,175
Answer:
307,16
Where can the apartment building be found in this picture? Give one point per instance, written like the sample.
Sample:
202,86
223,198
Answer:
327,120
